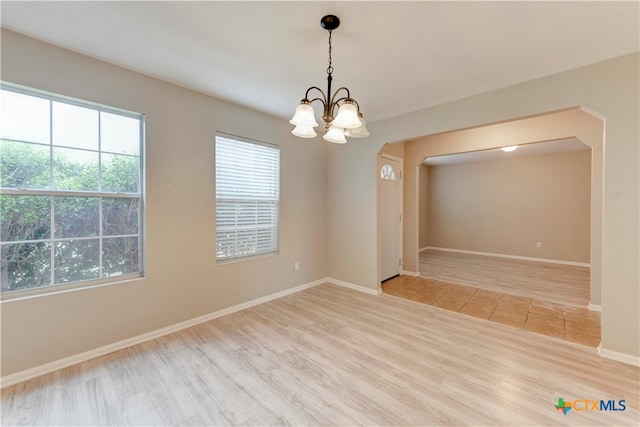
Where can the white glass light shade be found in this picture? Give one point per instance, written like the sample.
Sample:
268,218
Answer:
304,116
304,131
335,135
359,132
510,149
347,116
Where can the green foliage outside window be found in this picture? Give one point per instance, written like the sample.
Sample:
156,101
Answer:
67,214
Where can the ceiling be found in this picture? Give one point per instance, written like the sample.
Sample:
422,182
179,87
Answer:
395,57
538,148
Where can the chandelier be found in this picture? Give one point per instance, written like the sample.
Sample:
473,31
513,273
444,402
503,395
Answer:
347,122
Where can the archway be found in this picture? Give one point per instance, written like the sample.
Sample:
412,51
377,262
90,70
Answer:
570,123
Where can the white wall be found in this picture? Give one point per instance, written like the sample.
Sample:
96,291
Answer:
609,88
182,279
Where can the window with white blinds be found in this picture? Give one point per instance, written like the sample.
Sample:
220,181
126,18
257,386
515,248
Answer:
247,197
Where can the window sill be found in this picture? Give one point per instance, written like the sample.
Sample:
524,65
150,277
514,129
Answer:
71,287
245,258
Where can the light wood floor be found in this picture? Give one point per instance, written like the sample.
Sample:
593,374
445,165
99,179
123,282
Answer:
558,283
333,356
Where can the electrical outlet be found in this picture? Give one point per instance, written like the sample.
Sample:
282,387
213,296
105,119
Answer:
296,265
538,244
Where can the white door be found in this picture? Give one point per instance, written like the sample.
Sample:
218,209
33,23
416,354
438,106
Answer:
389,218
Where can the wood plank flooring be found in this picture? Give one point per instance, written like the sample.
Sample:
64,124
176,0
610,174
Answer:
333,356
558,283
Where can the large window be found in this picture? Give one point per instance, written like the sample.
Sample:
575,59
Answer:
70,191
247,197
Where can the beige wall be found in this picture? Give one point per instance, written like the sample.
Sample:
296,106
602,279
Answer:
328,200
506,206
395,150
182,279
609,88
572,122
423,206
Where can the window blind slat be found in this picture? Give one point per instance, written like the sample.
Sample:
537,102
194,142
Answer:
247,197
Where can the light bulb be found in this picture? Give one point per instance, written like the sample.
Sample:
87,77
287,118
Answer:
304,131
347,116
335,135
304,115
359,132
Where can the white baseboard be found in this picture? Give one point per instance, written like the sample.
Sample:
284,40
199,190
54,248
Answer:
410,273
37,371
629,359
354,287
523,258
594,307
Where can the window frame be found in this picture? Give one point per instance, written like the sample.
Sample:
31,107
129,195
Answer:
276,250
387,172
52,288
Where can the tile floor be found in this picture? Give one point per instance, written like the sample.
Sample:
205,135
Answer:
570,323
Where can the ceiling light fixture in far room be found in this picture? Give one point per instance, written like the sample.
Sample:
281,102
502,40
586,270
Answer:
347,122
510,149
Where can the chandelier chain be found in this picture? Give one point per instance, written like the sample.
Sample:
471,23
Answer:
330,67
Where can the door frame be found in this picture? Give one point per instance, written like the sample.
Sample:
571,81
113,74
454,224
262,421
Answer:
400,209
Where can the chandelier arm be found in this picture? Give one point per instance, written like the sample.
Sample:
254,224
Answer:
317,99
345,98
332,108
355,102
335,95
324,97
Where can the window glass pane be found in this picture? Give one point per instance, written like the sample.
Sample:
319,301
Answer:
24,117
75,170
119,216
24,217
227,244
120,174
120,256
76,260
24,165
25,266
76,216
387,172
75,126
119,134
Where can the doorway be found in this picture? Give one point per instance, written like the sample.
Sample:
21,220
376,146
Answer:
572,124
513,221
564,124
390,215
